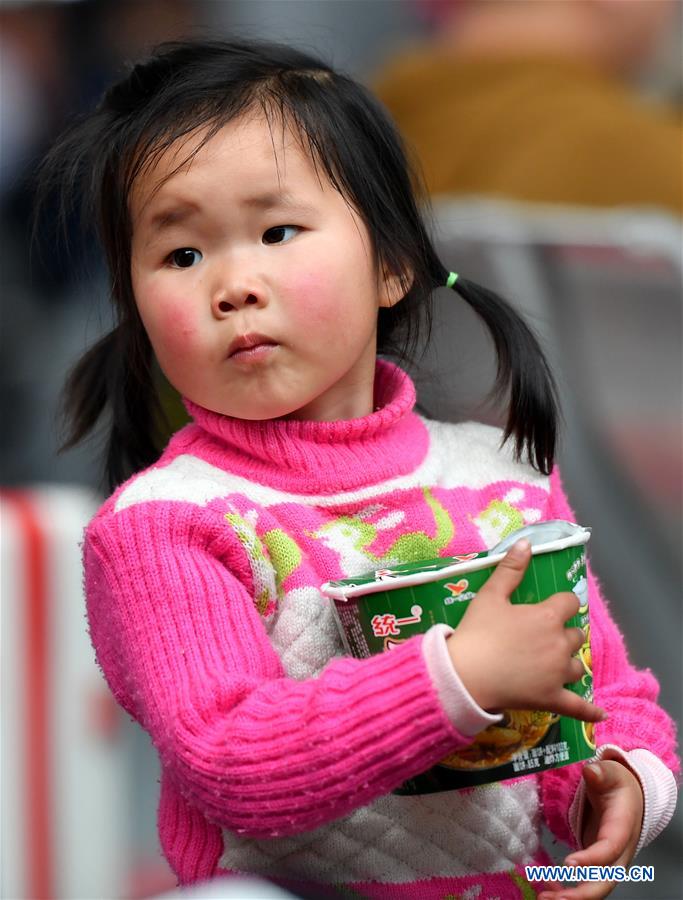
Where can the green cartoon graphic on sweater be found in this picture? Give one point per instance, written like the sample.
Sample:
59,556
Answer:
351,537
272,558
500,518
518,888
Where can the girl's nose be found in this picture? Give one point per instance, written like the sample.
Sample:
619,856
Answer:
224,302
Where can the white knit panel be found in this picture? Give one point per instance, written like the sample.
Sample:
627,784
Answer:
466,454
304,633
452,833
402,839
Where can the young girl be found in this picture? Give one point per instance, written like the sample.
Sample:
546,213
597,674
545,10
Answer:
265,244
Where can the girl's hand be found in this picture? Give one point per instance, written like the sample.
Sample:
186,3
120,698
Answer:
612,823
520,656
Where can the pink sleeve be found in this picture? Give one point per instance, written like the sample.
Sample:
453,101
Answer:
184,650
628,695
656,782
459,705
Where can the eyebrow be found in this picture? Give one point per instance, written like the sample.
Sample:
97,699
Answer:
275,200
183,210
174,215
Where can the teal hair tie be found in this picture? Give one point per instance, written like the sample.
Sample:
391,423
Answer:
452,278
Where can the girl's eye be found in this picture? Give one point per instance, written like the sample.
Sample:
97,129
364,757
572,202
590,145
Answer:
280,234
185,257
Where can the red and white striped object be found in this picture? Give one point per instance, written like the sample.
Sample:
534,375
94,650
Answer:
65,808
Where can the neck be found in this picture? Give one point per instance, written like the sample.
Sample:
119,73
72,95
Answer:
316,457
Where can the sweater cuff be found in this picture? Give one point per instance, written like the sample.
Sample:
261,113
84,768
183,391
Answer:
659,792
464,712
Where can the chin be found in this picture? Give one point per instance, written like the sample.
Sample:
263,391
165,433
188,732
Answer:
258,413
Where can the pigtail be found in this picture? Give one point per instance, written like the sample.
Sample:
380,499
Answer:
533,408
87,173
386,186
114,377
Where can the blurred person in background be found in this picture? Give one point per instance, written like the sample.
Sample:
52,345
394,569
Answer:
535,100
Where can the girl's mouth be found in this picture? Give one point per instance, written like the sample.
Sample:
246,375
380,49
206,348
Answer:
251,348
252,355
249,341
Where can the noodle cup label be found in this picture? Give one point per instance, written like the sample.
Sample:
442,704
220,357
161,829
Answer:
379,610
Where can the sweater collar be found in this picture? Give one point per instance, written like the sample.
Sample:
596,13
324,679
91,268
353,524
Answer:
319,457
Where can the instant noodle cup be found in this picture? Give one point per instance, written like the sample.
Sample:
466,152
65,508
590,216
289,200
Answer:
376,611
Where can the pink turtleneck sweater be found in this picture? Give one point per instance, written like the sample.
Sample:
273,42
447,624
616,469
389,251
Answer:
278,754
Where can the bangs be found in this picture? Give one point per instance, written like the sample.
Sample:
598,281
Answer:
291,103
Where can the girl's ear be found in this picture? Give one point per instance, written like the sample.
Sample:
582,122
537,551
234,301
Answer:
394,287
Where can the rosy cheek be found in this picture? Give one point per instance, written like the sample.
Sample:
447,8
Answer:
170,322
312,300
180,325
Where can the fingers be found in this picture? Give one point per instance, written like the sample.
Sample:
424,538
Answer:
510,570
576,639
570,704
615,799
575,671
585,891
601,853
566,604
606,775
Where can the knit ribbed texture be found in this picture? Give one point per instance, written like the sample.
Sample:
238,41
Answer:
240,738
202,582
320,457
629,696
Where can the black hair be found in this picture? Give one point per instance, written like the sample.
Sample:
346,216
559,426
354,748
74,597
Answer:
189,85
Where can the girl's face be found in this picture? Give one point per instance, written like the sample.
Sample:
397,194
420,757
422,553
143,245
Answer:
249,239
